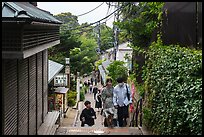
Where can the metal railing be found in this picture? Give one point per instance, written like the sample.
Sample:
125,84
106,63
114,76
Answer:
137,115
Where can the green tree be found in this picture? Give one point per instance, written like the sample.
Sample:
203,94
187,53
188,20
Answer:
117,69
106,37
68,41
98,62
84,56
68,19
138,24
139,21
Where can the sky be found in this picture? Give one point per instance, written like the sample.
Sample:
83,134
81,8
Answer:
77,8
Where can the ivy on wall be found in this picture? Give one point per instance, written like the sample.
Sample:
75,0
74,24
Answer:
173,88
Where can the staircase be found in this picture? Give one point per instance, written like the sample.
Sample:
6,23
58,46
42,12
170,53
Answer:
98,131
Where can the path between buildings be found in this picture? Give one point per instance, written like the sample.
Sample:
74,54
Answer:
71,125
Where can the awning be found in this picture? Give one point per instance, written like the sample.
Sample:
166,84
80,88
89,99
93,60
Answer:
102,73
105,64
53,69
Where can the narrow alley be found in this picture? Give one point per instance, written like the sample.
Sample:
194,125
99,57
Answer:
75,128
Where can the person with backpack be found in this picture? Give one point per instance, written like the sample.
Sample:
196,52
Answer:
122,98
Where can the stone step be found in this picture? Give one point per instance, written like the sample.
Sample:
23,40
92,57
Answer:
98,131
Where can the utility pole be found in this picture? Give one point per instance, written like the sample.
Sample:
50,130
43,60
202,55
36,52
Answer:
99,36
116,31
78,87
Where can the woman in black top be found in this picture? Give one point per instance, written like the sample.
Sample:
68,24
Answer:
95,90
98,100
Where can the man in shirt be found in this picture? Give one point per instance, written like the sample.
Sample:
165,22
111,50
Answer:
121,100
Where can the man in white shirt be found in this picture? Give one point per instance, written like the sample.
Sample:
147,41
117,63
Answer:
121,99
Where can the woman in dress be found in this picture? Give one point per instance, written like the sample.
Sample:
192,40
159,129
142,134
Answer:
98,100
109,112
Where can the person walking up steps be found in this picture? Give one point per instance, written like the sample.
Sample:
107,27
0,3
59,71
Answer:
88,115
121,99
109,112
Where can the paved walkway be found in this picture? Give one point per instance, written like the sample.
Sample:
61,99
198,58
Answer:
98,128
99,118
71,125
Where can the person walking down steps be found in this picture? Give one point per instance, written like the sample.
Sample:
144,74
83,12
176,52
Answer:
88,115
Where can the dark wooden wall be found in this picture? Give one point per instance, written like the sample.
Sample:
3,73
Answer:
182,24
24,100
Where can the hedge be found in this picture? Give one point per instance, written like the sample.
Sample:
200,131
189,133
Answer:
173,90
71,98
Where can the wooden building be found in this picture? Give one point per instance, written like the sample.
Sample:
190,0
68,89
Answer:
27,33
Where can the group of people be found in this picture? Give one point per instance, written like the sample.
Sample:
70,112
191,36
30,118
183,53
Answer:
114,102
90,84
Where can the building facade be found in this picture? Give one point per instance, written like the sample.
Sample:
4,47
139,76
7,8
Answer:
27,33
123,51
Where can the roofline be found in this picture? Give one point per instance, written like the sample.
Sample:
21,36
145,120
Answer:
30,21
14,21
28,17
46,24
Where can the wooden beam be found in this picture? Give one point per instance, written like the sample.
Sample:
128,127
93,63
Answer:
28,52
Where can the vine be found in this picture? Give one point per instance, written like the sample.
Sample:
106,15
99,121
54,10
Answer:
173,80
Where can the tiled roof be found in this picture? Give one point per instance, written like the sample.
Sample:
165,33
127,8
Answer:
25,10
53,69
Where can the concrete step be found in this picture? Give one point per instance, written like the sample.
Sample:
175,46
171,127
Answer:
98,131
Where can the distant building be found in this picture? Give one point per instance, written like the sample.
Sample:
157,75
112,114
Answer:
27,33
123,51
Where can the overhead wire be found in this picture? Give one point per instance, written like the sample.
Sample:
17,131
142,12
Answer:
90,10
87,29
108,3
99,20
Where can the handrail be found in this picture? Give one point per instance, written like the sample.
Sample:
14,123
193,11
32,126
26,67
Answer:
136,114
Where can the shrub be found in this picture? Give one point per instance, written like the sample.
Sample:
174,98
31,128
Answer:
82,96
173,84
117,69
71,98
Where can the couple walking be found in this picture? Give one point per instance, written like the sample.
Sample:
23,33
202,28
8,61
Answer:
116,102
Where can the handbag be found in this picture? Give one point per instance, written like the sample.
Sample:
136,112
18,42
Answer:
128,95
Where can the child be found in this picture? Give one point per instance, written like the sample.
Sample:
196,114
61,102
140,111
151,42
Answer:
88,115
